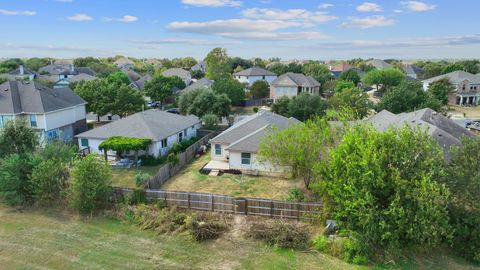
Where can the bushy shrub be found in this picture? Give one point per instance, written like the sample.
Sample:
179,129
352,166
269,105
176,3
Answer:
138,196
255,109
172,158
210,121
141,179
355,251
60,151
15,171
206,226
295,195
321,243
466,237
280,234
48,182
90,189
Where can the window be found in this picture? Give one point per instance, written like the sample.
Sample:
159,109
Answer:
4,119
164,143
185,133
263,77
246,158
52,135
218,150
84,142
180,136
33,120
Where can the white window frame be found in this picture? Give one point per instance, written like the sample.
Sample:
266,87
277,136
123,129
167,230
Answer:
249,158
219,149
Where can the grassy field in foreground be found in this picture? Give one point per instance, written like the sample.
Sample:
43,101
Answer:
49,239
190,179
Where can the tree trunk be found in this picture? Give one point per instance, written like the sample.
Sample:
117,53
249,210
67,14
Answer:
105,154
98,118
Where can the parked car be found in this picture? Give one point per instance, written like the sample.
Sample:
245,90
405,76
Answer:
173,110
153,104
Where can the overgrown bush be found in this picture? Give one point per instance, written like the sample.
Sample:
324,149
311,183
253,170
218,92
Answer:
210,121
348,248
141,179
60,151
172,158
48,182
149,160
295,195
90,189
466,237
162,221
15,171
280,234
138,196
383,187
206,226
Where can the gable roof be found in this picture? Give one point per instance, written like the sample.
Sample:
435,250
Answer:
456,77
30,97
247,134
179,72
65,70
152,124
443,130
341,67
379,64
140,84
18,71
132,75
80,77
254,71
123,61
203,82
294,80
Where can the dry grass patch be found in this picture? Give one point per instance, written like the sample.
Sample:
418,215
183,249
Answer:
126,177
191,180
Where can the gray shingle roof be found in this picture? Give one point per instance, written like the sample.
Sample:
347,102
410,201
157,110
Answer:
379,64
179,72
443,130
203,82
247,134
152,124
456,77
140,84
65,70
26,71
255,71
291,79
29,97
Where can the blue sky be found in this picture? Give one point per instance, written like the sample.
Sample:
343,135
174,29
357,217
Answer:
287,29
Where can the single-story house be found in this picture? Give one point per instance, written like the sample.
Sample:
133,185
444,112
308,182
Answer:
292,84
467,87
202,83
52,113
236,148
179,72
162,128
443,130
253,74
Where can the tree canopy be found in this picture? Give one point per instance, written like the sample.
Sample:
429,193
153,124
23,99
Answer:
384,78
350,75
161,87
203,101
353,98
301,107
232,88
260,89
218,64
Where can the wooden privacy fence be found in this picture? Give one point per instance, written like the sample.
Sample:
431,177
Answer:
167,170
229,204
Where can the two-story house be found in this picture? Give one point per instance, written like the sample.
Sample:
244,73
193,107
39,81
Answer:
20,73
467,87
292,84
53,113
164,129
251,75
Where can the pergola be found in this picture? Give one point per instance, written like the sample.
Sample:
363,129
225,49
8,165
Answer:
122,144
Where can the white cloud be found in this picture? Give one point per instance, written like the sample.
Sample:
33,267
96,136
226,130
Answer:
417,6
17,12
247,29
212,3
367,22
325,6
124,19
188,41
80,18
369,7
300,15
407,42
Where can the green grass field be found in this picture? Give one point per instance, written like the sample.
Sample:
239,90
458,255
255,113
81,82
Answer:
50,239
126,177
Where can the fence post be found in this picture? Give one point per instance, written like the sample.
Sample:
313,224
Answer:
213,205
188,199
271,208
298,211
246,207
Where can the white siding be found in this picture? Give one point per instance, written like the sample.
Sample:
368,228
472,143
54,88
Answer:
223,156
235,162
65,117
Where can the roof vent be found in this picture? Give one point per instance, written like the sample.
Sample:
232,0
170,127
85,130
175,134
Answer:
6,89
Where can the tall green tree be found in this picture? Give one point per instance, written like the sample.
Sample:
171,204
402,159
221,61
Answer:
441,89
318,71
15,171
36,63
306,106
161,87
16,137
203,101
127,101
280,106
218,64
350,75
407,97
354,99
384,78
48,182
260,89
232,88
383,187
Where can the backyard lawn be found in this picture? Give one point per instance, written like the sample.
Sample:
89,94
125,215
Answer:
467,112
190,179
126,177
50,239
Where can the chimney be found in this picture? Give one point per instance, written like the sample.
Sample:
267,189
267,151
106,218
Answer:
22,70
